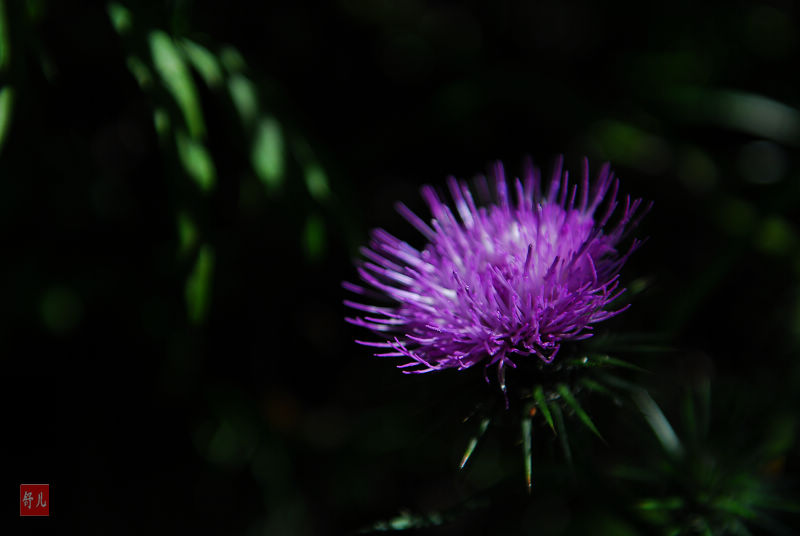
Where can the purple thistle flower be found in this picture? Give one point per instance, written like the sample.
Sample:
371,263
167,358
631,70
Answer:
512,278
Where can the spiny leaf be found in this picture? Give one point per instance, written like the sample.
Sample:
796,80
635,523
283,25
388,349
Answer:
527,441
468,453
566,395
597,387
541,402
562,433
473,443
607,360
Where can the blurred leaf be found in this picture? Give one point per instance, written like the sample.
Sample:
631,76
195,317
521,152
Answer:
141,72
120,17
6,109
198,285
161,123
758,115
232,60
314,237
244,96
204,62
658,422
541,402
317,183
187,233
567,396
268,153
5,41
177,80
316,179
747,112
639,285
616,381
670,503
196,161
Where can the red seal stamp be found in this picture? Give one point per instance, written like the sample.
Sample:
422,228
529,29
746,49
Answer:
34,499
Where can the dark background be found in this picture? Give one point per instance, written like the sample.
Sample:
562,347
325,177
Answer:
176,226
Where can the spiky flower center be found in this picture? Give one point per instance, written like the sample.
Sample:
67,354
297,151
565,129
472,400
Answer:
509,277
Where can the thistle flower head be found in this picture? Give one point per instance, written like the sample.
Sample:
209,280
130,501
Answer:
514,276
